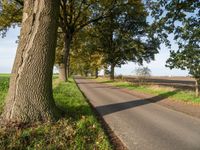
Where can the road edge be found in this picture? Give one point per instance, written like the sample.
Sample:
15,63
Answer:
113,138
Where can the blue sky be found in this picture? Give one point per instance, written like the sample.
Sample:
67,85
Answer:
8,48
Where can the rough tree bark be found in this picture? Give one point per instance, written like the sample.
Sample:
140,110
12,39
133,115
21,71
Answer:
67,44
105,71
96,73
61,68
197,85
30,95
112,72
64,67
68,36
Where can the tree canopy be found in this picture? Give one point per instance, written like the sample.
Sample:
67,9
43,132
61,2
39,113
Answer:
125,35
10,14
182,18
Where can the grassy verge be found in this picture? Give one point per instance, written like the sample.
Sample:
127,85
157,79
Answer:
78,129
4,75
174,94
4,80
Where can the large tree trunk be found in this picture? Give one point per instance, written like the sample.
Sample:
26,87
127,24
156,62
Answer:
197,85
61,69
30,95
68,35
112,72
105,71
96,73
67,44
68,65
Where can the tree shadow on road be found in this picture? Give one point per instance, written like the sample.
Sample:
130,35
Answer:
112,108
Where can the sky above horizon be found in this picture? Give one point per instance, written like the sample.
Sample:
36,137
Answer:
8,48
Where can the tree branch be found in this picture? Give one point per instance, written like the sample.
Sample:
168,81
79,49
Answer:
20,2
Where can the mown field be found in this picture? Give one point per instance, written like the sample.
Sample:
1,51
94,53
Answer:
77,129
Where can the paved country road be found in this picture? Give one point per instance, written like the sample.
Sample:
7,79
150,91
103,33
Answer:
140,124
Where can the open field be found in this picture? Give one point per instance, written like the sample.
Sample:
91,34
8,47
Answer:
78,128
4,74
187,83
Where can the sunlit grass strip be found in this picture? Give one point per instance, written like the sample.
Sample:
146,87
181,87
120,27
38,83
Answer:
77,129
89,134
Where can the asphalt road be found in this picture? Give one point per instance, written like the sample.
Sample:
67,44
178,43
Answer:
140,124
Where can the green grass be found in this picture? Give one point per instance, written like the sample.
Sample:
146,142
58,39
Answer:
78,129
4,80
173,94
4,74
